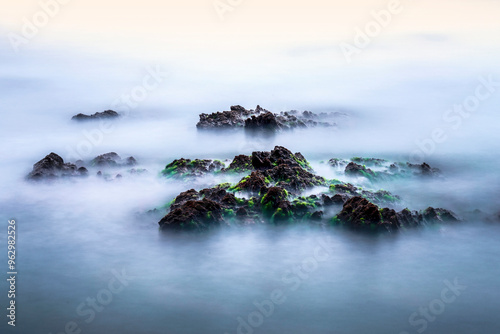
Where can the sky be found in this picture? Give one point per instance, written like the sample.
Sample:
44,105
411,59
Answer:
154,28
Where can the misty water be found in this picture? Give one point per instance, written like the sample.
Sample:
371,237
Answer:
75,235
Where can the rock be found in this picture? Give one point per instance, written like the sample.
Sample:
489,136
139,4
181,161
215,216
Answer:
265,121
98,115
240,164
193,215
252,183
424,169
369,161
191,168
433,215
358,212
260,160
53,166
262,119
189,195
353,169
112,159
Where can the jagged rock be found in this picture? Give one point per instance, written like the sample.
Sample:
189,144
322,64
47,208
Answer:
358,212
193,215
98,115
265,121
260,118
53,166
353,169
336,162
241,163
424,169
112,159
369,161
191,168
439,215
189,195
252,183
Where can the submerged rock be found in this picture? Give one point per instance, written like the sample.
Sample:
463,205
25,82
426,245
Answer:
98,115
193,215
262,119
191,168
112,159
240,164
53,166
358,212
265,121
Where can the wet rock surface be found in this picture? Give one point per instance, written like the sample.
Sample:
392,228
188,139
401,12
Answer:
53,166
273,193
191,168
262,119
112,159
107,114
376,170
358,212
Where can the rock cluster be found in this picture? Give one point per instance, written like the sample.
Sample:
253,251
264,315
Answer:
272,192
262,119
98,115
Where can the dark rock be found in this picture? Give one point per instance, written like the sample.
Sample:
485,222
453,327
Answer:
242,212
358,212
337,199
424,169
241,163
98,115
369,161
106,160
188,195
260,160
193,215
265,121
191,168
252,183
53,166
262,119
433,215
112,159
293,179
354,169
317,215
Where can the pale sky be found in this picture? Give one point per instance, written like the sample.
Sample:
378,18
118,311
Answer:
163,27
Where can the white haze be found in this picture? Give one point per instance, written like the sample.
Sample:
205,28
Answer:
74,231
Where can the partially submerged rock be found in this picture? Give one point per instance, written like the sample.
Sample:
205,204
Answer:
112,159
383,170
240,164
53,166
358,212
262,119
273,192
107,114
191,168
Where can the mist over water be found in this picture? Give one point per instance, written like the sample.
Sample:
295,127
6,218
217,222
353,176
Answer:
73,233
